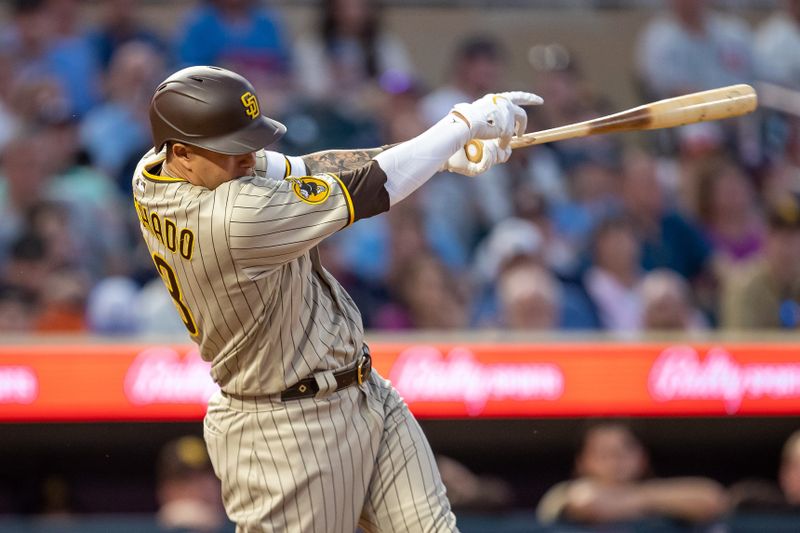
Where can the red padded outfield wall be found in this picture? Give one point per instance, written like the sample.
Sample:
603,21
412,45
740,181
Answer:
146,382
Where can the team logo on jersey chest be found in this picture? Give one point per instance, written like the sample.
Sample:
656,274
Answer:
309,189
250,103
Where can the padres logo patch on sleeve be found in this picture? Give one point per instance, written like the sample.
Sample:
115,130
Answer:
309,189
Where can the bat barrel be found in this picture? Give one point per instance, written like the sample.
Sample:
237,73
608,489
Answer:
716,104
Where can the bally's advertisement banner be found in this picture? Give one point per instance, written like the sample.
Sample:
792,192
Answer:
129,382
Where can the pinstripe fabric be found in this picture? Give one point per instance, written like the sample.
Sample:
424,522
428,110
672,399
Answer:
267,314
355,457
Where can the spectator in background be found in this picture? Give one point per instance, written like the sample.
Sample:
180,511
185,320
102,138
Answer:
766,292
62,300
32,89
92,200
667,303
118,131
27,265
766,496
613,483
775,36
530,297
240,35
72,58
789,475
728,211
350,55
668,239
24,177
476,70
17,309
347,74
119,25
593,186
613,281
50,221
471,492
693,48
477,204
509,240
430,296
188,492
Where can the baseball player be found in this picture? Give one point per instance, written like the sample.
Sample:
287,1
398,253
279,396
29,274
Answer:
304,435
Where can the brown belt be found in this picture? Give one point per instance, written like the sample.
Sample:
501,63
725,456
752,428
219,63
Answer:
307,387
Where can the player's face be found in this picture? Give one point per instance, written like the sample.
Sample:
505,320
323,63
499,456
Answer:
612,455
211,169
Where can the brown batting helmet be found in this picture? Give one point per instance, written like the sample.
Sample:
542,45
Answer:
212,108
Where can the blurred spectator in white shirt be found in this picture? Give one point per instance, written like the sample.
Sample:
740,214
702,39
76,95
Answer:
693,48
776,43
613,282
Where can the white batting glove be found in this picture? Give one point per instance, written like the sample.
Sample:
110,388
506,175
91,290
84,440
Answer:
489,152
497,115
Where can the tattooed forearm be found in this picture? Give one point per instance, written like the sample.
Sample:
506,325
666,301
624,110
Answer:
339,160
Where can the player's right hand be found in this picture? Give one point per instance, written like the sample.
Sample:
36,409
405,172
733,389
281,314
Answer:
497,115
487,154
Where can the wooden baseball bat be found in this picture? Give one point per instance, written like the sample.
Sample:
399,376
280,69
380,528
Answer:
716,104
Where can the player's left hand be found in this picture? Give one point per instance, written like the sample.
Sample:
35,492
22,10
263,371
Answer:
489,151
497,115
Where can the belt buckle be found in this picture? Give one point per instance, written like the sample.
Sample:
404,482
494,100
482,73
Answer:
360,369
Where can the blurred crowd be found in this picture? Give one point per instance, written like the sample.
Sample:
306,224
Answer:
686,229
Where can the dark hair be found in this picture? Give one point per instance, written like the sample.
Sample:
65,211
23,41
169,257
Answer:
367,36
615,222
479,47
594,425
707,177
15,293
24,7
29,247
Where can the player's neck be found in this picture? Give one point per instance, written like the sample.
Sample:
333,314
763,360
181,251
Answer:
174,171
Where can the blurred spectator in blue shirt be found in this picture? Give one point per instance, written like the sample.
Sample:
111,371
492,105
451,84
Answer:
119,24
72,58
117,131
236,34
668,239
45,41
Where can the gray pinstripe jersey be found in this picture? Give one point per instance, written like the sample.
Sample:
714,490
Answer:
241,265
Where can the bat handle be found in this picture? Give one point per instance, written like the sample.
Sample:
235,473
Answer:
474,150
